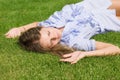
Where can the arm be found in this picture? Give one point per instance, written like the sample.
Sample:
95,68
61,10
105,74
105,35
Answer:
14,32
28,26
102,49
58,20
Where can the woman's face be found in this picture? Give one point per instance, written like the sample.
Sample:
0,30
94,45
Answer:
49,37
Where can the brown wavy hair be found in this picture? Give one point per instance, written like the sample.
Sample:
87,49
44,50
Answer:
29,40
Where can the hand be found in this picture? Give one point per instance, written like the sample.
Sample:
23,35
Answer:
12,33
73,57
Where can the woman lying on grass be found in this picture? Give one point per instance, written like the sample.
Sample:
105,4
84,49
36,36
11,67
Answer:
70,31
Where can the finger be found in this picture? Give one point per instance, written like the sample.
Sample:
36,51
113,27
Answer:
67,55
74,62
9,36
67,60
77,59
7,33
6,36
13,36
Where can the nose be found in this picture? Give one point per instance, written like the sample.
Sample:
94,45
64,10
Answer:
53,35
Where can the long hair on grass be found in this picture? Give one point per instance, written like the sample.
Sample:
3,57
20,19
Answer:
29,40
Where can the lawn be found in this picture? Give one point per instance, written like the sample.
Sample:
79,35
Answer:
18,64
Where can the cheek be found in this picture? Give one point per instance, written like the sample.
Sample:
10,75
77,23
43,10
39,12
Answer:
44,41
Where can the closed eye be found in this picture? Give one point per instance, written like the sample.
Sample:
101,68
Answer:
48,33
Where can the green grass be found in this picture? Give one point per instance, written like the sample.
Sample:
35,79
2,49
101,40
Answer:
17,64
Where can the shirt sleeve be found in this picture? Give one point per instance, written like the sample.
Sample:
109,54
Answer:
84,44
60,18
97,4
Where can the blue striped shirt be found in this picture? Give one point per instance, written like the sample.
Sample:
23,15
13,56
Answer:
83,20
